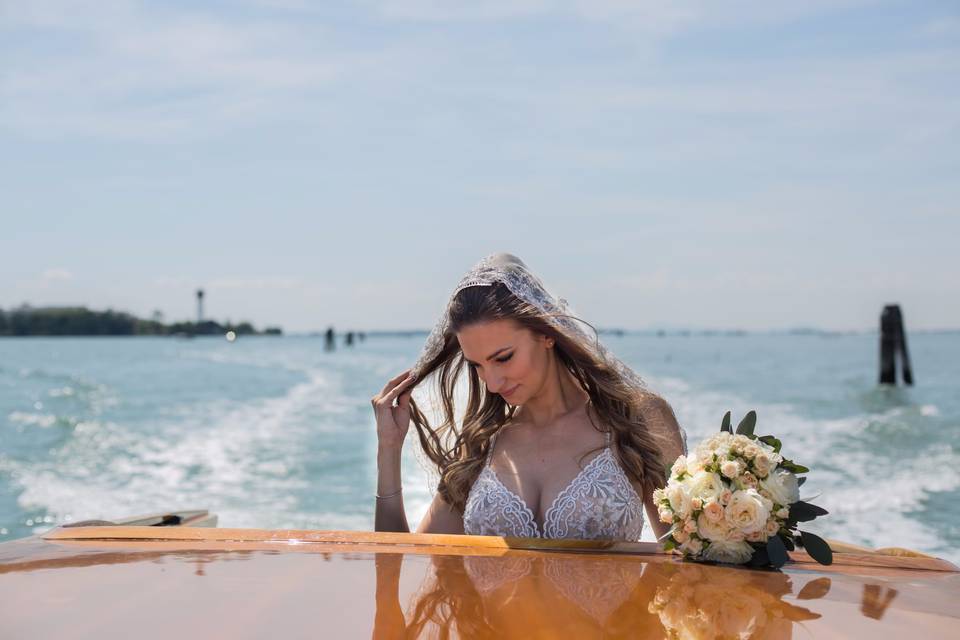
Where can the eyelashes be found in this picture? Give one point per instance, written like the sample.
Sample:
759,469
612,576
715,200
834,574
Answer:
506,358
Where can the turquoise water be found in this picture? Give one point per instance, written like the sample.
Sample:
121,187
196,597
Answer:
277,432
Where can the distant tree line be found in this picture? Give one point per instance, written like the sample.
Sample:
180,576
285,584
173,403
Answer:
80,321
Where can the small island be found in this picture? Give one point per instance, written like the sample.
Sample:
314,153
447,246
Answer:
80,321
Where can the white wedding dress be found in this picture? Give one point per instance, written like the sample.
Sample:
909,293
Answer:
599,503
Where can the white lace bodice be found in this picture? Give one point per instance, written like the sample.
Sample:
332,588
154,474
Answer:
599,503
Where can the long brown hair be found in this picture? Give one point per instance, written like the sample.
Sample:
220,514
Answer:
459,451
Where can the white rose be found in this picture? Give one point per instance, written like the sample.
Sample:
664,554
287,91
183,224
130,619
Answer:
725,496
679,497
748,511
782,487
718,530
728,551
783,513
658,494
681,536
706,486
679,467
714,511
730,468
666,516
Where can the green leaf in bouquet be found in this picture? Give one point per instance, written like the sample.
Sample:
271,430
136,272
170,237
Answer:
725,425
760,558
747,425
787,542
801,511
817,547
669,545
771,441
777,552
793,467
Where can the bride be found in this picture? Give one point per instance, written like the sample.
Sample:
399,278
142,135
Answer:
558,439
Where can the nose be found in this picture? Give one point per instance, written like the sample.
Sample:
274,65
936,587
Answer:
495,383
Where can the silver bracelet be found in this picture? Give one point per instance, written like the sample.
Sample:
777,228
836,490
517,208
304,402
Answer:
390,495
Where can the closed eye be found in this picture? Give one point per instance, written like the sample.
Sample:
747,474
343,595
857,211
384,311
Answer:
506,358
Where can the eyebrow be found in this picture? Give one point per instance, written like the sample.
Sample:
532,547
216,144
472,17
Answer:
491,356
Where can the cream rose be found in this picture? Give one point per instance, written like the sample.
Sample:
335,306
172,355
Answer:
730,468
725,496
666,516
714,511
763,464
680,536
718,530
746,481
694,464
782,487
748,511
728,551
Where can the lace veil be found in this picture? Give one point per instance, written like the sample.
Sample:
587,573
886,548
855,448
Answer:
517,277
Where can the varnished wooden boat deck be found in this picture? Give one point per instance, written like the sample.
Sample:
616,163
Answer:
152,582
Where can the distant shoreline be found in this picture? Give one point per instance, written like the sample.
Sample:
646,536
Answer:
27,321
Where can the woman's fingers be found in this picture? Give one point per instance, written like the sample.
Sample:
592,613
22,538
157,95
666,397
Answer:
396,391
403,400
393,381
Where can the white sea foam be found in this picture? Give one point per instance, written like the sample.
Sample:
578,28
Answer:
37,419
236,465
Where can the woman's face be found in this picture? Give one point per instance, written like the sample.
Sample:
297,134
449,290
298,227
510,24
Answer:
511,360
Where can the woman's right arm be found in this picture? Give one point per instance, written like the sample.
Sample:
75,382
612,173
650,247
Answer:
393,422
441,518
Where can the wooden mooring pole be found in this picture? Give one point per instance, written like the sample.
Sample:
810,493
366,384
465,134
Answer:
893,346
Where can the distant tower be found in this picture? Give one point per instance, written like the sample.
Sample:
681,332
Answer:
199,306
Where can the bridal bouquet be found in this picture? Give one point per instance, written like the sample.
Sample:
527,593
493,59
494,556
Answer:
735,499
707,603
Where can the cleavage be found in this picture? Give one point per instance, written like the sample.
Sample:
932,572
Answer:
539,508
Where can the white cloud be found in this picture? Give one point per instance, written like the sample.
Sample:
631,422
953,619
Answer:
56,274
131,71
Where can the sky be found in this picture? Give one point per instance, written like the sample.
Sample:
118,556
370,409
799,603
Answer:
742,164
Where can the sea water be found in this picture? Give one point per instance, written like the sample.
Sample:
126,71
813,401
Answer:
277,432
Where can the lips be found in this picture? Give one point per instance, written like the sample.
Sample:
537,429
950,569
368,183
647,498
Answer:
508,392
